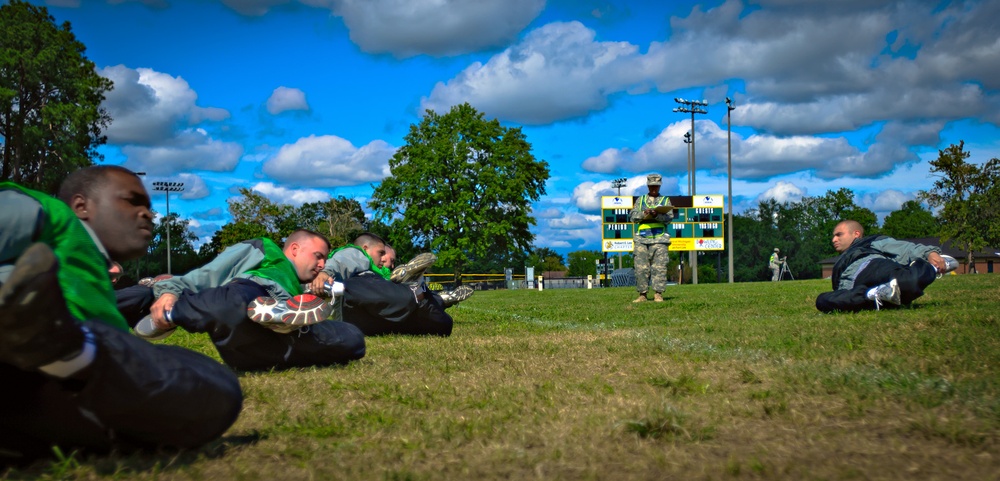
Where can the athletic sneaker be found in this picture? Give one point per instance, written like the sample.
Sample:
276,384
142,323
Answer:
148,331
450,298
888,292
950,263
287,316
414,269
36,328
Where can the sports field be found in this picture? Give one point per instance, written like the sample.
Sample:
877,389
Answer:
743,381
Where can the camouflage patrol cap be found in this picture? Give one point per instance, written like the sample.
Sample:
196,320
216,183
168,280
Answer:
654,179
776,249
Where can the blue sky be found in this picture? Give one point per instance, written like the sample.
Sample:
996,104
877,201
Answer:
306,99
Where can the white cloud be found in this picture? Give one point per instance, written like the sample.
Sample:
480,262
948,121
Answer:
294,197
885,201
783,192
550,213
329,161
557,72
147,106
192,149
405,28
575,221
284,99
587,195
154,115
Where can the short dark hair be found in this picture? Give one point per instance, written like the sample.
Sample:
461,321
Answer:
87,181
302,234
367,238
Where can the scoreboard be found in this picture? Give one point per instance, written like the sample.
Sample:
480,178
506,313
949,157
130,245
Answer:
617,230
698,223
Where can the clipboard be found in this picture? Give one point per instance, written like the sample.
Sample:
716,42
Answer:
663,209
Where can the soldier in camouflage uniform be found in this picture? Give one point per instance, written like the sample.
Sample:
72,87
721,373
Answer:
651,240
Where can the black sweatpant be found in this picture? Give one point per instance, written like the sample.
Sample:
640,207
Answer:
243,344
912,280
380,307
134,395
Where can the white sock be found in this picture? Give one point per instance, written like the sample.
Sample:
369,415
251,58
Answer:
67,367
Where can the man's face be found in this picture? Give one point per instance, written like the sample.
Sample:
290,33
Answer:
389,259
376,251
654,190
843,237
120,216
308,257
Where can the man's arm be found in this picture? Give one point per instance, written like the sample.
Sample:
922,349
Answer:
235,260
907,252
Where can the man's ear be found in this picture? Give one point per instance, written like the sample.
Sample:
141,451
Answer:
78,203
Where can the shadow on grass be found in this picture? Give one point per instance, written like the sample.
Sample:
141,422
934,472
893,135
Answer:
76,464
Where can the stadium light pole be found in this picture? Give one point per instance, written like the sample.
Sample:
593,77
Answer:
729,154
692,107
167,188
618,184
687,140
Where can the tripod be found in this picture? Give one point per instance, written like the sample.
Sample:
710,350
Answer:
785,270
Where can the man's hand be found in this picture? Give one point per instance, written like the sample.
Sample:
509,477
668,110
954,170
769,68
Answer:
158,311
937,261
316,286
649,213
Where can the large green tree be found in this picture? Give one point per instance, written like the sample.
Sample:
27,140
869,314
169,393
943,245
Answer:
462,187
911,221
51,120
963,193
339,219
582,263
544,259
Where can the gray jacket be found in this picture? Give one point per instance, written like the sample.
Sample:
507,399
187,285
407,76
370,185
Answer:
232,263
904,252
347,263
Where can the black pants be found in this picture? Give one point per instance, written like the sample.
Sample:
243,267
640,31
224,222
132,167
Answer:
912,280
134,395
243,344
380,307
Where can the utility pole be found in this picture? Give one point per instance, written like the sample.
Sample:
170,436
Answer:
730,106
692,107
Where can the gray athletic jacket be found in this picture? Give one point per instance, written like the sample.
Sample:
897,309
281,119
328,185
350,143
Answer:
238,261
902,252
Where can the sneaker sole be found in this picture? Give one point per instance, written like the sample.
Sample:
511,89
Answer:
305,310
261,310
299,311
413,269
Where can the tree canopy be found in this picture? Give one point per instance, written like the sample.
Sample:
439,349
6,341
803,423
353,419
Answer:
462,187
964,192
911,221
51,120
339,219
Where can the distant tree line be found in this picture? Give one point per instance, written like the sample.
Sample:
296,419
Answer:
461,186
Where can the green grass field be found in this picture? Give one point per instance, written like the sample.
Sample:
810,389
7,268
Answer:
743,381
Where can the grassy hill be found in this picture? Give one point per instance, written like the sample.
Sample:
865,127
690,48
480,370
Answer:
743,381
